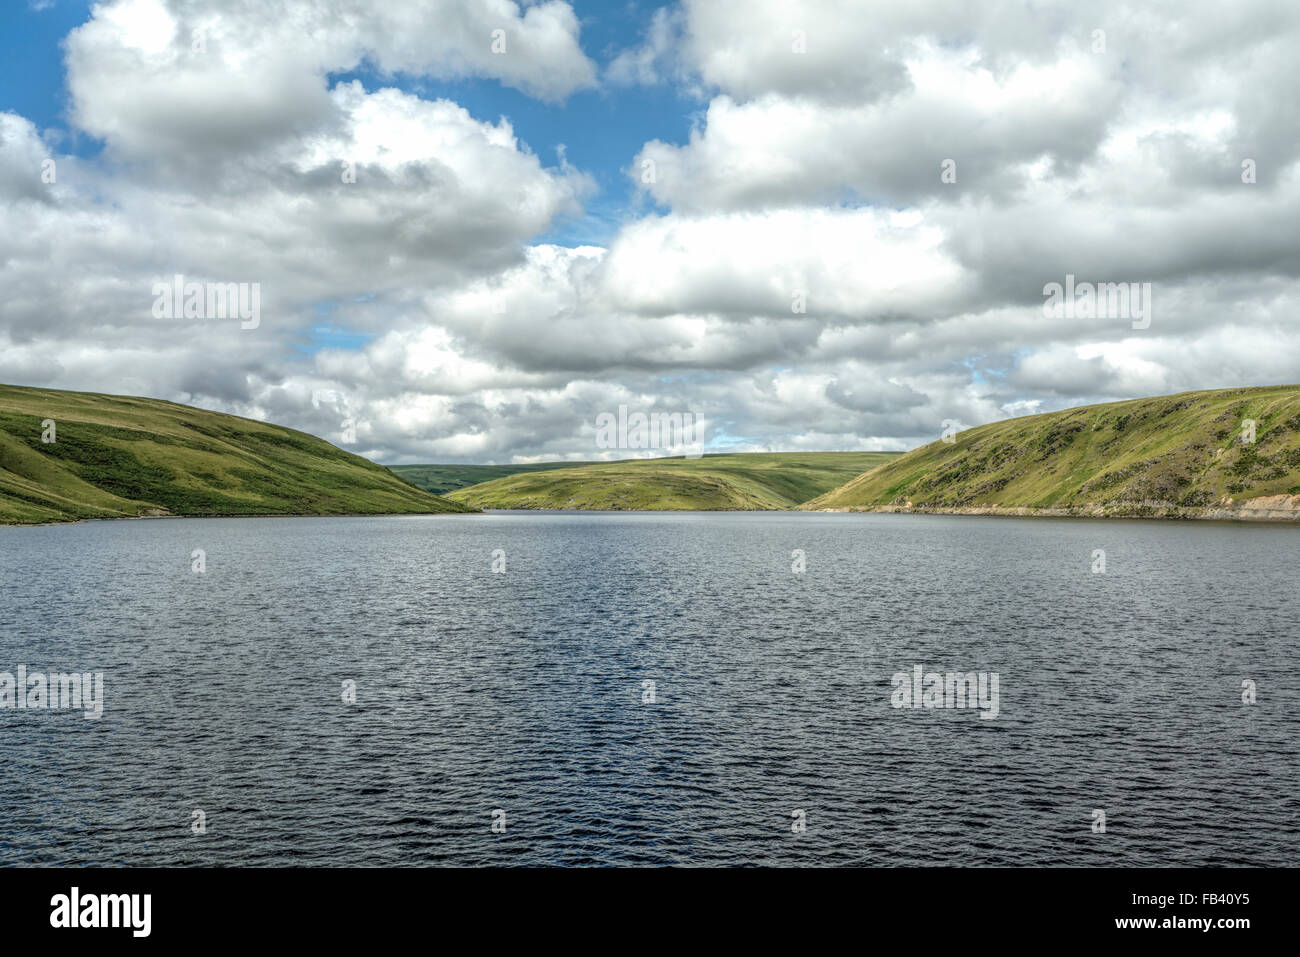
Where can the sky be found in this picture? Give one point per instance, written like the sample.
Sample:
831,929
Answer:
475,226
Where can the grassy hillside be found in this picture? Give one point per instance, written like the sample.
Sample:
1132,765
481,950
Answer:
441,479
1136,457
115,457
775,480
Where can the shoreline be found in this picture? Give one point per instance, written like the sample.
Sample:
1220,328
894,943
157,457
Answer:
138,518
1270,510
1272,513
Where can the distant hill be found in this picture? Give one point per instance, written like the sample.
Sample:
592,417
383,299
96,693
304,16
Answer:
116,457
1179,456
761,480
441,479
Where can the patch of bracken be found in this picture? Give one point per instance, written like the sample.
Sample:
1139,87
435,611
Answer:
1060,435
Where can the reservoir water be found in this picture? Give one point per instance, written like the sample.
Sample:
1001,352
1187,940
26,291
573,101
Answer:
653,688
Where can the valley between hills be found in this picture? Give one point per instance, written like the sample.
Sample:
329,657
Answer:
1219,454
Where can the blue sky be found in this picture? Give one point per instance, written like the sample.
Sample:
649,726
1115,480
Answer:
31,64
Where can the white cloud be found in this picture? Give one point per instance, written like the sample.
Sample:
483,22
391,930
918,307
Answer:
812,174
181,79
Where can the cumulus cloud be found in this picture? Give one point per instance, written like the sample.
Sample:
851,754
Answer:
992,131
797,270
184,79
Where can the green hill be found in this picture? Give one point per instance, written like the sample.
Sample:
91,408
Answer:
116,457
441,479
762,480
1179,456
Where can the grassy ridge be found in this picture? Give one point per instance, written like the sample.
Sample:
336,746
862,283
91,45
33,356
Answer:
1180,451
117,457
441,479
764,480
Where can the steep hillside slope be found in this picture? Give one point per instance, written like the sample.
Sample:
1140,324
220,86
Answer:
762,480
116,456
1180,455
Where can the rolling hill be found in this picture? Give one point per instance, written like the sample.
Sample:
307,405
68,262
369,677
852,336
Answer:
1181,455
761,480
441,479
119,457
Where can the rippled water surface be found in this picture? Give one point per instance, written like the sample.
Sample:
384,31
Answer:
522,691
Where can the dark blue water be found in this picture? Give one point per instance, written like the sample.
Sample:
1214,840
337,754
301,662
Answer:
522,691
